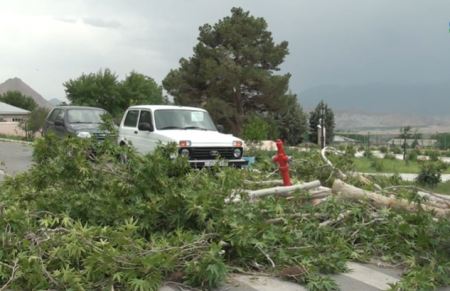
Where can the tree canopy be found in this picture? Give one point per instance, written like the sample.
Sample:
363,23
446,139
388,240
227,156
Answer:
232,70
104,89
292,121
17,99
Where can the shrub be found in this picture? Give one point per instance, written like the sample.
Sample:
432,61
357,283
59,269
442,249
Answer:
434,155
389,156
351,151
361,148
430,174
412,156
377,164
383,149
368,154
397,150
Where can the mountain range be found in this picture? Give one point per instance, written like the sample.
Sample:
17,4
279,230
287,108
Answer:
382,105
356,107
16,84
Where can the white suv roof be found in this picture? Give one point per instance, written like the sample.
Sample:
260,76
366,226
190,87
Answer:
153,107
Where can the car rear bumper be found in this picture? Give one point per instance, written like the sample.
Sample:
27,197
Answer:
222,163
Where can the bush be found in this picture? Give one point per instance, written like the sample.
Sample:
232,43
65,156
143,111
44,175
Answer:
412,156
361,148
434,155
389,156
397,150
368,154
350,151
430,173
383,149
377,164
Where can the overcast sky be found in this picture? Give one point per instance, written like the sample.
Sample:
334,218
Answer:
47,42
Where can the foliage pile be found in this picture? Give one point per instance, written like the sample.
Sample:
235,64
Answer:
69,223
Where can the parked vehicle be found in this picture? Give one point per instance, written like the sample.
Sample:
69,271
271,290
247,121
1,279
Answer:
77,121
192,129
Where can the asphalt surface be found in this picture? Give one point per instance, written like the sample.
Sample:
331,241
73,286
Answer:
367,277
15,157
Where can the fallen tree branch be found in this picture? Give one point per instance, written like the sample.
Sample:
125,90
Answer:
339,218
346,191
12,277
431,195
271,182
284,191
283,218
341,175
267,257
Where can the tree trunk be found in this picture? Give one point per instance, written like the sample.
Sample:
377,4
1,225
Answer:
346,191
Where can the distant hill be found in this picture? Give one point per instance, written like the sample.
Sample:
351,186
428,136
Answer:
55,101
16,84
378,104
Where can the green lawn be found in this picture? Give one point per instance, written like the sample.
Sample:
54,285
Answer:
13,137
363,165
441,188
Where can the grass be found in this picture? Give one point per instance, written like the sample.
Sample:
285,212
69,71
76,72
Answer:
441,188
363,165
13,137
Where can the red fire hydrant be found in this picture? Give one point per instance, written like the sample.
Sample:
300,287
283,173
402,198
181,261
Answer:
283,161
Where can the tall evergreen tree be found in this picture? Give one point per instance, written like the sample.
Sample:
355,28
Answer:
314,121
232,71
292,121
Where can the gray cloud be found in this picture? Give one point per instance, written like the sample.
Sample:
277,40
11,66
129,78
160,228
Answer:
98,22
330,42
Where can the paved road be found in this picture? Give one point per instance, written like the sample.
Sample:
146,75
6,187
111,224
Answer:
16,157
367,277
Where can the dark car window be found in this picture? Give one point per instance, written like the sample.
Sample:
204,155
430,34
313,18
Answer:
131,119
146,117
85,115
52,116
60,115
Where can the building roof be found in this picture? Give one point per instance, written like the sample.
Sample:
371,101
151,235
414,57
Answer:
340,138
9,109
421,142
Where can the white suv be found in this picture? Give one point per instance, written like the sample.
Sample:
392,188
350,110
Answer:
192,129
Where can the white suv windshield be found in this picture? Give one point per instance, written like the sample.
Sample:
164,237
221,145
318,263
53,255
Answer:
183,119
85,115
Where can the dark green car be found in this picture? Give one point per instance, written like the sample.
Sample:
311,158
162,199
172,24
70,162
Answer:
79,121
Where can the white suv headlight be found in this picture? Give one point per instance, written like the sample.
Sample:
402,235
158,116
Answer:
83,134
237,143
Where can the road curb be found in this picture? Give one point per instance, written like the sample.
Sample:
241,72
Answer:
16,141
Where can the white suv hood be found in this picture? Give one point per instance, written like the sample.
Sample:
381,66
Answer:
199,137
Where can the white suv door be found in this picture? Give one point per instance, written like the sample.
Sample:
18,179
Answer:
146,140
143,141
129,130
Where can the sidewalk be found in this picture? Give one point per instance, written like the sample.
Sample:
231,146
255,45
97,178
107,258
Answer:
408,177
365,277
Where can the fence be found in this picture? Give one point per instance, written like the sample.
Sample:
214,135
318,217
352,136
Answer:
438,140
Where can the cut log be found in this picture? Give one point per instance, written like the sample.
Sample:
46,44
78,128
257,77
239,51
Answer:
280,191
284,191
346,191
270,182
